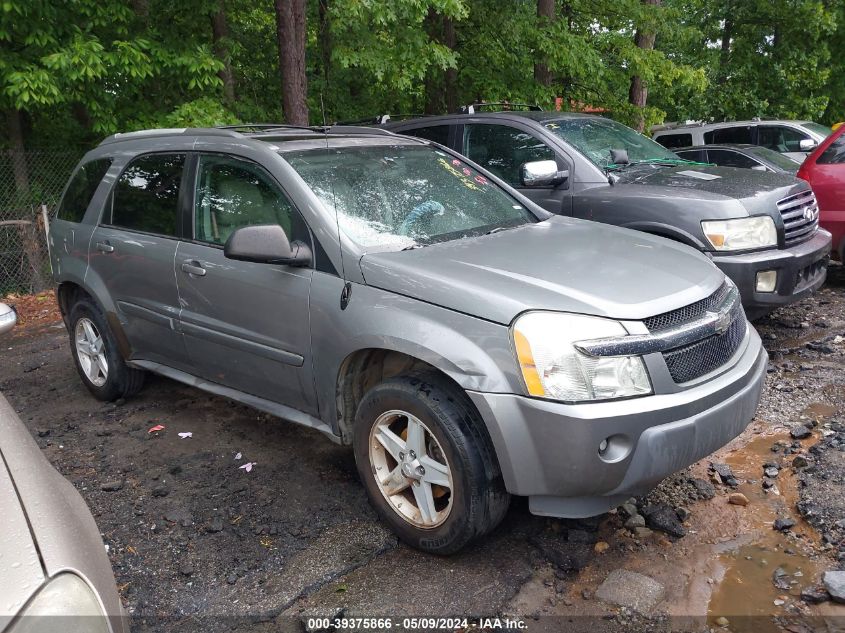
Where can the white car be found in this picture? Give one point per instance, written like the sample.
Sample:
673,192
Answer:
794,139
8,318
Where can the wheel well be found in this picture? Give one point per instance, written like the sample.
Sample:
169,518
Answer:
68,293
364,369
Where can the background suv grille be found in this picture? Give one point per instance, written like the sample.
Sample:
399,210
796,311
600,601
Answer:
797,227
697,359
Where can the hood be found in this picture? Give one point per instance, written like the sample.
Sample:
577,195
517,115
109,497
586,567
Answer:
560,264
732,182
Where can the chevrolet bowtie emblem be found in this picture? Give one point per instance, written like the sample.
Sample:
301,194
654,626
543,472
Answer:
723,321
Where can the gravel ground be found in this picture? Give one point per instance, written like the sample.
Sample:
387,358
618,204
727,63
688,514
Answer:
198,543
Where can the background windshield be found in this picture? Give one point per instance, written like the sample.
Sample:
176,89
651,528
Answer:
595,137
782,161
818,128
397,196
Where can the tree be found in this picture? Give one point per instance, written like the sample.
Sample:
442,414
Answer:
290,29
643,39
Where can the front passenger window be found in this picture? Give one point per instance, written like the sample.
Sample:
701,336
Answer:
504,150
233,193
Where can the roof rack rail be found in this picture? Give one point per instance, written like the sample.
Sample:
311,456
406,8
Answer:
503,106
159,132
381,119
261,127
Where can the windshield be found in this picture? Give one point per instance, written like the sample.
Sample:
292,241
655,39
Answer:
389,197
817,128
595,137
776,158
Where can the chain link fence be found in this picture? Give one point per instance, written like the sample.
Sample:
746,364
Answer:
31,183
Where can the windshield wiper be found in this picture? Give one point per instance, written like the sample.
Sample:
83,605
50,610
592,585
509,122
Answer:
411,247
656,161
497,229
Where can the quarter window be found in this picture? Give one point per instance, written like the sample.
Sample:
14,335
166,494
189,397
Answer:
81,189
504,150
147,194
781,139
834,154
233,193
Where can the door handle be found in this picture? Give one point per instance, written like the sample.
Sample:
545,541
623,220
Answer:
105,247
193,268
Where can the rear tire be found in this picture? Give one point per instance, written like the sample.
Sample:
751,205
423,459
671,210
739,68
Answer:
468,499
95,354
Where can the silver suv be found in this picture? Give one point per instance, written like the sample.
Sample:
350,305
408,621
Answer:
387,292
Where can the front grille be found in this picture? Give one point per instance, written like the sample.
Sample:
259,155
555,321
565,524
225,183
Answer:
695,360
688,313
800,213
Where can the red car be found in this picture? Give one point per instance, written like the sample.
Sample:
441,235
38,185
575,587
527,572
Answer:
824,169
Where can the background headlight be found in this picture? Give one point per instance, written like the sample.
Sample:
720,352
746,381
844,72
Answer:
553,368
741,234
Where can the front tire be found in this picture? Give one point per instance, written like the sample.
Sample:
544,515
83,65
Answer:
427,464
96,356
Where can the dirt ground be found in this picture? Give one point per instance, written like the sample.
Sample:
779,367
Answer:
199,543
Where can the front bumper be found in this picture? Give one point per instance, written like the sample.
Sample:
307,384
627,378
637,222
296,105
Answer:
549,451
801,270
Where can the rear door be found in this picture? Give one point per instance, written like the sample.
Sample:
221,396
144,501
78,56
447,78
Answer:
132,252
246,325
504,148
828,181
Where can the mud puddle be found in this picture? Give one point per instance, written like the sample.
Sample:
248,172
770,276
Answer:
765,570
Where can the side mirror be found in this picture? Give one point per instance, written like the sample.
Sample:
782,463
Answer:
807,144
542,173
759,168
8,318
266,244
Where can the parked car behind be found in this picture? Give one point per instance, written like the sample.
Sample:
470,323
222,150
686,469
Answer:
740,155
793,139
824,169
56,576
392,295
8,318
760,229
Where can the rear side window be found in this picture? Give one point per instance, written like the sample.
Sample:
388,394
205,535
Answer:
675,140
697,155
736,134
436,133
81,189
726,158
834,154
146,197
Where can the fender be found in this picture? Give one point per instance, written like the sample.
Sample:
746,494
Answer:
667,231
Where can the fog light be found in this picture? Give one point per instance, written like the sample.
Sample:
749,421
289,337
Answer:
767,280
602,447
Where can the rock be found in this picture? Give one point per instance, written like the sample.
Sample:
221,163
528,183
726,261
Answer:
231,579
771,473
725,473
682,513
601,547
186,568
43,432
635,521
800,462
738,499
161,491
661,516
629,509
800,432
815,594
783,524
642,532
632,590
834,582
112,486
768,483
586,594
780,579
722,621
704,489
215,525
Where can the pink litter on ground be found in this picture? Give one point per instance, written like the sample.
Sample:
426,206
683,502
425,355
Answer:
248,466
238,456
157,427
186,435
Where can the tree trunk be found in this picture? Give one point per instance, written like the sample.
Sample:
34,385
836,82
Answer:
324,37
542,75
219,35
450,39
638,92
725,53
290,33
14,126
441,88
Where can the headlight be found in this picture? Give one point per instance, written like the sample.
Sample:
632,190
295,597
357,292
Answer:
553,368
741,234
64,605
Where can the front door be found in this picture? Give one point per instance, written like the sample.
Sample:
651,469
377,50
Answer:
504,149
131,253
246,325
